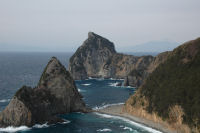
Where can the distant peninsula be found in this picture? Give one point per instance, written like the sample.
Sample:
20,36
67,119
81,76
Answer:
97,58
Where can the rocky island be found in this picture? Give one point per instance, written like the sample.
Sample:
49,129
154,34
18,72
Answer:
97,58
56,93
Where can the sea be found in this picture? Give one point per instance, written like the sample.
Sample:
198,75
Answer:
21,68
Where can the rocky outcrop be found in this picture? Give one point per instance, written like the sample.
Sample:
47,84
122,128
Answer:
170,93
88,60
97,57
137,75
120,65
55,94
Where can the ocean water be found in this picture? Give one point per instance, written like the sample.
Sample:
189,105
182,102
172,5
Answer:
17,69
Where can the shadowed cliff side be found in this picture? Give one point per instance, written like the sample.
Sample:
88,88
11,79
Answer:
170,94
55,94
137,75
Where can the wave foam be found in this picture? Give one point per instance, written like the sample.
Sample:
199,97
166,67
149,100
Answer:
129,87
41,125
149,129
4,100
128,128
65,121
105,106
11,129
104,130
80,90
114,84
86,84
115,79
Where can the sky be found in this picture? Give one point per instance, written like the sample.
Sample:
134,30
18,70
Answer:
63,25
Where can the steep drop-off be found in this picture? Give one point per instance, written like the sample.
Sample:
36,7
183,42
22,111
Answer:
171,93
138,74
55,94
97,57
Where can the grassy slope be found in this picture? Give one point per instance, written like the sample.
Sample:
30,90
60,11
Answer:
175,82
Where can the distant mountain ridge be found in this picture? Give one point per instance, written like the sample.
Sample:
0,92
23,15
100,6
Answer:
152,47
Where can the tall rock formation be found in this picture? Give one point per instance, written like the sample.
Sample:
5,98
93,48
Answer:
97,57
171,93
55,94
88,60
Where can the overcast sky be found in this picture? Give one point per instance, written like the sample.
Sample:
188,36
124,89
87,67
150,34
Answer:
62,25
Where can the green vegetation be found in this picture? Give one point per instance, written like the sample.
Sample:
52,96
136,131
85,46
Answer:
176,82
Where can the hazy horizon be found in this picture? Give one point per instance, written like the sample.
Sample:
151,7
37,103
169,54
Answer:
62,26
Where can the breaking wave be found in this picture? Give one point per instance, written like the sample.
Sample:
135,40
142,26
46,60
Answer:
86,84
114,84
41,125
106,105
12,129
4,100
104,130
80,90
149,129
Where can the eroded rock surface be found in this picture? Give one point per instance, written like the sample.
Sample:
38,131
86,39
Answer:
97,58
55,94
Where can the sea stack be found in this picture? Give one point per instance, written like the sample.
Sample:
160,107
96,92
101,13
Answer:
97,58
90,57
55,94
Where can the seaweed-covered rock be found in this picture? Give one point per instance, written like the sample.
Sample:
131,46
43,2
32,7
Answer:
55,94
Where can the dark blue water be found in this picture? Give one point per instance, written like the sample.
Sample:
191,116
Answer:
17,69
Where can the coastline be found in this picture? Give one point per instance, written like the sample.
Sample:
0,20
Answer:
116,110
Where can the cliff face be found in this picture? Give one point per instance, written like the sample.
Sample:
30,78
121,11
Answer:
120,65
56,93
171,92
90,57
97,58
138,74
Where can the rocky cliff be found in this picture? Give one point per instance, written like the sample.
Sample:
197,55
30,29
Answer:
88,60
137,75
97,57
170,94
55,94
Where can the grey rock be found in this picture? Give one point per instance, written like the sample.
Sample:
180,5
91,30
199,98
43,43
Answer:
98,58
88,60
55,94
137,75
